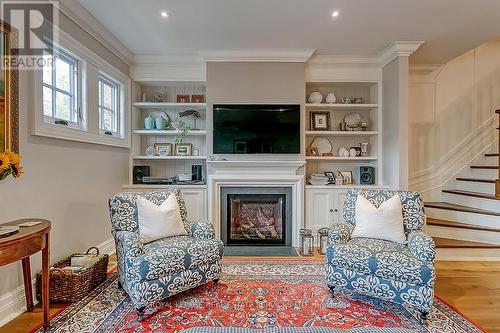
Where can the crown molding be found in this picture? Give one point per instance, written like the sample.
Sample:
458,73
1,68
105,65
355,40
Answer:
173,58
398,49
257,55
82,17
327,60
425,73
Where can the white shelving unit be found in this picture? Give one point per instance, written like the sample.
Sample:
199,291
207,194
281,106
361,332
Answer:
168,166
324,203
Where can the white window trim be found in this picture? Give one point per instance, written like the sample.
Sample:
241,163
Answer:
119,105
88,132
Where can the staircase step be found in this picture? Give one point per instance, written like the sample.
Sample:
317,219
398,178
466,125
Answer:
486,167
459,208
453,224
472,194
455,243
491,155
477,180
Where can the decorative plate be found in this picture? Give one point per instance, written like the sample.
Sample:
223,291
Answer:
8,230
322,144
352,120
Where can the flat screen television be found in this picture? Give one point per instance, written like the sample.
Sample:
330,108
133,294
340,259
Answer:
256,129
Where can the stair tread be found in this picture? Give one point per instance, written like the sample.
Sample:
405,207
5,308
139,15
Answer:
456,243
473,194
477,180
492,167
460,208
460,225
491,154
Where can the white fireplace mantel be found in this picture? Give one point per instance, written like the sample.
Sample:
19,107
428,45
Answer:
286,173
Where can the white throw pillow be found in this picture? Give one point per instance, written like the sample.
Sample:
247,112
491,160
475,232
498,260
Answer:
384,222
156,222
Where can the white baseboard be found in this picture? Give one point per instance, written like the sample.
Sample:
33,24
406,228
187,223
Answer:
13,303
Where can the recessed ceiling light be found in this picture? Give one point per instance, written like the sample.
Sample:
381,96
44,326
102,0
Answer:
164,14
335,13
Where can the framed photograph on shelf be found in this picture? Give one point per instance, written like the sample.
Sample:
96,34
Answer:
320,120
163,149
347,176
331,177
312,151
182,98
197,99
184,149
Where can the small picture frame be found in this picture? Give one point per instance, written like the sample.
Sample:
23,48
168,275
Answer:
331,177
312,151
184,149
347,176
182,98
163,149
197,99
357,149
320,121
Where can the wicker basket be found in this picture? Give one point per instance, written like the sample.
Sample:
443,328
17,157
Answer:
68,286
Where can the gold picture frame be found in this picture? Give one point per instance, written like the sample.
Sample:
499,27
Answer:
9,101
184,149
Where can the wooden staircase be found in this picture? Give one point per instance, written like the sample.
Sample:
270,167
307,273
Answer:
473,207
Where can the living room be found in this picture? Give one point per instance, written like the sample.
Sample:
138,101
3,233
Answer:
264,166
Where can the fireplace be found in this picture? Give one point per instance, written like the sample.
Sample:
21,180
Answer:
256,216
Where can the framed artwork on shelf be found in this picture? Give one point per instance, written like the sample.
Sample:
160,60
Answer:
197,99
163,149
184,149
312,151
320,121
347,176
182,98
331,177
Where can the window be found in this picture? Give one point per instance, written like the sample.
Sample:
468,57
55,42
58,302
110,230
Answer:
60,89
109,108
79,96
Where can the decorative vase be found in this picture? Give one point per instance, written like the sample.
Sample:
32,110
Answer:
161,123
315,98
149,122
331,98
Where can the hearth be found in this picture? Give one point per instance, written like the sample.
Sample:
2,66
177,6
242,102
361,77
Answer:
256,216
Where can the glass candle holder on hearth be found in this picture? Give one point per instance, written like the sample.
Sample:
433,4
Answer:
306,242
322,240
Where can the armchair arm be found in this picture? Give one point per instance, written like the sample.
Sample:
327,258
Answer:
340,233
421,246
131,243
201,229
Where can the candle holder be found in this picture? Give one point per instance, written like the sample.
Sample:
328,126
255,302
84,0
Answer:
306,242
322,240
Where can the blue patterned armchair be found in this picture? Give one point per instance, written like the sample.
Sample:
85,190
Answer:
154,271
401,273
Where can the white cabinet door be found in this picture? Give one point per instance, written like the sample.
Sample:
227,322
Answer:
339,205
319,208
196,203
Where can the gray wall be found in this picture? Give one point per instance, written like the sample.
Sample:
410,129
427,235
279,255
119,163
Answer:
66,182
257,83
395,76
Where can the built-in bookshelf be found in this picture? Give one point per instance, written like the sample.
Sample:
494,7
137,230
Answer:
159,99
369,111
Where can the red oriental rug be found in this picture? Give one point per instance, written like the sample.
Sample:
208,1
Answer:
263,294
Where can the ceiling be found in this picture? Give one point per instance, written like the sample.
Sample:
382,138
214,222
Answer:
364,27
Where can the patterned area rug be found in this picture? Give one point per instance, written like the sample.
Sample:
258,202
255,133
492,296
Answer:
263,295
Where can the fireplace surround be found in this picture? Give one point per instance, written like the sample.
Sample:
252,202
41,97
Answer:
256,216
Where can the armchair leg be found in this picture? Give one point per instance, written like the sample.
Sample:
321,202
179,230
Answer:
332,289
140,313
215,284
423,316
120,285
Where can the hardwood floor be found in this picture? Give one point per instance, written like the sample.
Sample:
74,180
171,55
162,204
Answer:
472,287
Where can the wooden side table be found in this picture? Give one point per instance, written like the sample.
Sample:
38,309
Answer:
20,246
